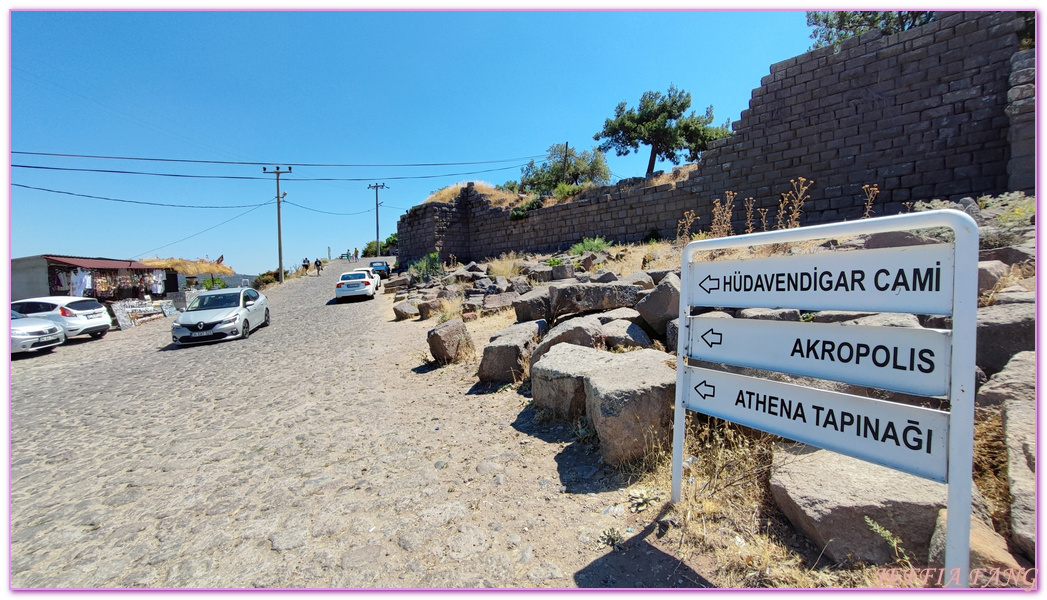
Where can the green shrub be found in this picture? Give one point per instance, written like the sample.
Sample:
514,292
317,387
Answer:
590,245
564,191
520,212
268,278
426,267
554,262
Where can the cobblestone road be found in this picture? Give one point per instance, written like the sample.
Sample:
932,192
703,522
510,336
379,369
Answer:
321,453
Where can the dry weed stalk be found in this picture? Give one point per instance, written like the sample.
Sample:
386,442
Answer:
792,203
721,225
763,218
749,203
871,191
683,228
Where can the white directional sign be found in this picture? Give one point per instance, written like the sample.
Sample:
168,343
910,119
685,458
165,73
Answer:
907,438
901,359
915,279
935,279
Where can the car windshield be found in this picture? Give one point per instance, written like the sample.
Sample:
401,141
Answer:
17,315
378,264
348,276
214,301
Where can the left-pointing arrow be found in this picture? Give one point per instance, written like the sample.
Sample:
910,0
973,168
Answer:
705,390
712,338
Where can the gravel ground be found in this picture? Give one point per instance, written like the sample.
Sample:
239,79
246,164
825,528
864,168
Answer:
322,452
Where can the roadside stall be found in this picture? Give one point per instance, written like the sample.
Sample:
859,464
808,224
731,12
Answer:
194,273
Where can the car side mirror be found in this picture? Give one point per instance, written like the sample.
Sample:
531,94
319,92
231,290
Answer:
181,310
249,303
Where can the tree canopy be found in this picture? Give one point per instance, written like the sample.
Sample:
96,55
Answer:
564,164
659,122
833,26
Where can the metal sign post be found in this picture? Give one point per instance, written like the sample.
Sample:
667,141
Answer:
938,279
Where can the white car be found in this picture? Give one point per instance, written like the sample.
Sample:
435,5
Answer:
354,283
221,315
75,315
29,334
374,276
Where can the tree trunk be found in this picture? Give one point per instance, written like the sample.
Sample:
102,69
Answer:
650,163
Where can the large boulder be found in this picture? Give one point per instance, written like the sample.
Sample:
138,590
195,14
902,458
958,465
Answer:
662,304
629,314
887,320
451,292
770,314
658,274
895,239
1003,331
428,308
1016,380
563,271
988,549
495,302
1019,427
631,405
580,331
839,316
519,284
638,278
625,334
533,305
408,309
566,299
507,355
990,272
827,496
450,342
603,276
540,273
558,378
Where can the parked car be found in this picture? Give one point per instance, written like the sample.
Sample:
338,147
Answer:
221,315
373,275
30,334
354,283
381,267
75,315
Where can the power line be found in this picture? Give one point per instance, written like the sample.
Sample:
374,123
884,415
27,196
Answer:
204,231
326,212
248,163
30,187
250,178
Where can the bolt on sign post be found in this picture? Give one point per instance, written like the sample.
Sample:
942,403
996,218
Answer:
935,279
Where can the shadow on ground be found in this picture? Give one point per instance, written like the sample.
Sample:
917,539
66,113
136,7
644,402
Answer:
637,563
580,468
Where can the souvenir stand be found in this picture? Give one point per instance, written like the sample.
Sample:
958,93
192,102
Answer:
192,270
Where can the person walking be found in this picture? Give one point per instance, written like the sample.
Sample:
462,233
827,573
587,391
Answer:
305,266
356,254
319,266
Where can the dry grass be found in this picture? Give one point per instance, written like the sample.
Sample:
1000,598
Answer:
507,265
678,174
1019,274
721,225
497,197
450,308
990,467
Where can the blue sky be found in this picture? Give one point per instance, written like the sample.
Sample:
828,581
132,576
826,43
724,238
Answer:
367,88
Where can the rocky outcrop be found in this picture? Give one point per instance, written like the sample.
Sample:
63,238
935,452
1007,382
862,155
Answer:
1003,331
507,356
623,334
827,496
566,299
1017,380
533,306
449,342
662,304
408,309
638,278
631,405
1019,425
580,331
558,378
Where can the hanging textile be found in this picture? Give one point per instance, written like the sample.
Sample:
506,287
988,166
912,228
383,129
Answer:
79,282
158,281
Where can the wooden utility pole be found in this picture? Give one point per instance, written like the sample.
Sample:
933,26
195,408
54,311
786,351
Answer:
279,233
377,240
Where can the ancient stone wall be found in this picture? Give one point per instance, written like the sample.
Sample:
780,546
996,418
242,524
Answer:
926,113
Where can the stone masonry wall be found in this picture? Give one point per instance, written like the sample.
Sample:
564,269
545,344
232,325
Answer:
926,113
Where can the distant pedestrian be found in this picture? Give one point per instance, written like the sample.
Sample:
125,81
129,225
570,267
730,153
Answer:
319,266
305,266
356,254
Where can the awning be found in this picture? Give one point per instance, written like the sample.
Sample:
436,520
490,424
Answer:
97,263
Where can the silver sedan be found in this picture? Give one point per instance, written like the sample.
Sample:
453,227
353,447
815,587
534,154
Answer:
221,315
29,334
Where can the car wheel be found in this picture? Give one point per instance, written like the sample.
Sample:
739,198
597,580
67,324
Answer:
266,322
98,334
246,333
